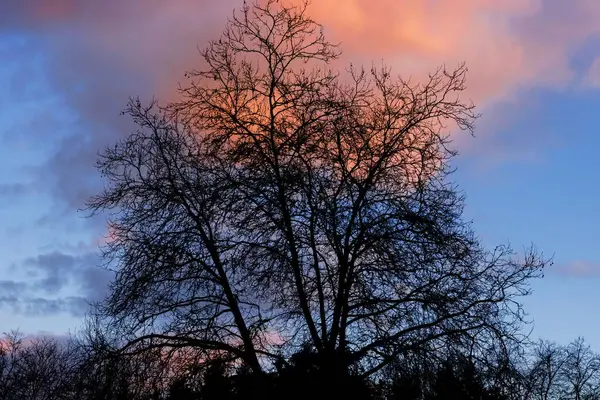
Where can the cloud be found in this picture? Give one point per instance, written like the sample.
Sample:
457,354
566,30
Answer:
56,271
10,190
507,45
97,54
39,14
10,288
577,269
75,306
57,283
592,78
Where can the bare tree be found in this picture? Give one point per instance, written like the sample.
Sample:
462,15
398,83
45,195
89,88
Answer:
547,373
279,205
581,372
10,346
564,372
40,368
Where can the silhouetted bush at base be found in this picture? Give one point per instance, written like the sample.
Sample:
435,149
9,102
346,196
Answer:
306,376
310,376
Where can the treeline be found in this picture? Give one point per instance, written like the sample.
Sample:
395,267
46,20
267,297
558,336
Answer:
76,368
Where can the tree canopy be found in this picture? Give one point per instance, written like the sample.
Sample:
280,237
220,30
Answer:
281,207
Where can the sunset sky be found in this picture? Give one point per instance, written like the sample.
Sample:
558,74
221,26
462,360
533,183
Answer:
67,68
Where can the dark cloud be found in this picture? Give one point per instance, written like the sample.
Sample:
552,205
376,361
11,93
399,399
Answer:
57,270
14,189
11,301
51,276
54,261
11,288
75,306
94,283
96,55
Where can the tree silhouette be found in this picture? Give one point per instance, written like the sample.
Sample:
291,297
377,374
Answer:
581,371
280,206
78,368
460,379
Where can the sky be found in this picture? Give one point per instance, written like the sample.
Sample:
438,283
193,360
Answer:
68,67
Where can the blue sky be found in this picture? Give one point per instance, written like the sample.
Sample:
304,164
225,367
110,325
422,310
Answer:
530,174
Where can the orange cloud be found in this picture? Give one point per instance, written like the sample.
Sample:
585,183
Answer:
491,36
507,45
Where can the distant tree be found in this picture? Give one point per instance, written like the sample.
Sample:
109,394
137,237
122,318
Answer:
547,375
10,348
506,371
40,368
461,379
581,371
282,206
86,367
563,372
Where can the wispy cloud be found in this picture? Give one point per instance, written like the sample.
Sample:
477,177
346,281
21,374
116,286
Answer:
577,269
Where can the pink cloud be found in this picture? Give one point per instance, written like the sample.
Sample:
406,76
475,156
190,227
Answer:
506,44
577,269
117,49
